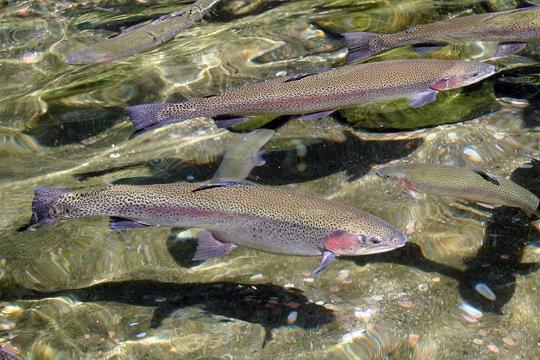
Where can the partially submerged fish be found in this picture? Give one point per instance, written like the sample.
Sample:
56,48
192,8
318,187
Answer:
240,158
315,95
469,184
511,28
259,217
142,36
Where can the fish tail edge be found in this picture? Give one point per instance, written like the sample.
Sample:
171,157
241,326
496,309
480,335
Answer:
144,115
359,45
44,199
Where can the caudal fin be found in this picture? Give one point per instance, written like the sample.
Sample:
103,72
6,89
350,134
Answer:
44,198
144,115
359,45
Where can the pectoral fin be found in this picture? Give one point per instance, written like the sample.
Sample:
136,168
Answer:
505,49
423,98
327,259
208,247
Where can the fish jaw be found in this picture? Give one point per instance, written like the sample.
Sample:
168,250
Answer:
343,243
462,75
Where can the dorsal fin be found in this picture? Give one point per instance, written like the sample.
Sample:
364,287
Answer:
487,177
218,185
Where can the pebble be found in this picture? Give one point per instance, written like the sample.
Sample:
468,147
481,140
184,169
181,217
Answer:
330,307
309,280
350,336
485,291
320,302
478,341
291,319
365,314
505,257
7,326
141,335
288,285
508,341
256,277
472,154
293,305
413,340
12,310
114,155
436,279
493,348
423,287
334,289
133,324
87,336
469,318
407,304
471,310
160,299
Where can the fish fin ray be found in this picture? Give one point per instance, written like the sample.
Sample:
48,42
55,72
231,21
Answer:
218,185
120,224
316,115
423,98
208,246
327,259
359,45
489,178
523,4
510,48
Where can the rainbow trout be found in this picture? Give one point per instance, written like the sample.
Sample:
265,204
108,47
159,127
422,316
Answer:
511,28
315,95
469,184
142,36
259,217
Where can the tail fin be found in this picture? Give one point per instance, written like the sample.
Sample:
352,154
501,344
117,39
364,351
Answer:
44,198
359,45
144,115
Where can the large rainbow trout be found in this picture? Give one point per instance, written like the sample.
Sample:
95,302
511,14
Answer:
315,95
265,218
511,29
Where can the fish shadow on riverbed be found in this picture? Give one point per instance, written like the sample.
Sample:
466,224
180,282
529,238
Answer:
498,261
265,304
308,161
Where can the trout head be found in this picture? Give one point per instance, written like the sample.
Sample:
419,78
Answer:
462,74
361,242
397,173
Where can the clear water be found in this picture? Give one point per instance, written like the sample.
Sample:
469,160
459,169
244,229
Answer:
76,290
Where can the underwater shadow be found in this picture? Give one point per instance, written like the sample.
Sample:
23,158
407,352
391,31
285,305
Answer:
496,263
308,161
264,304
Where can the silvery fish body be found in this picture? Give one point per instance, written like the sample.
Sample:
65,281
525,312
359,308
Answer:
259,217
474,185
142,36
321,93
511,28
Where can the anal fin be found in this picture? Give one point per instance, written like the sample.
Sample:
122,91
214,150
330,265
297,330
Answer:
208,247
423,98
510,48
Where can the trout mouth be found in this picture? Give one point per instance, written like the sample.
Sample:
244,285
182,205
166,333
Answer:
380,248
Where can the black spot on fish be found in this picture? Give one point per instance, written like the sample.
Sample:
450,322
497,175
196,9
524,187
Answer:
486,176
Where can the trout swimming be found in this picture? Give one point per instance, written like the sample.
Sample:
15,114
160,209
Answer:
469,184
315,95
510,28
264,218
142,36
